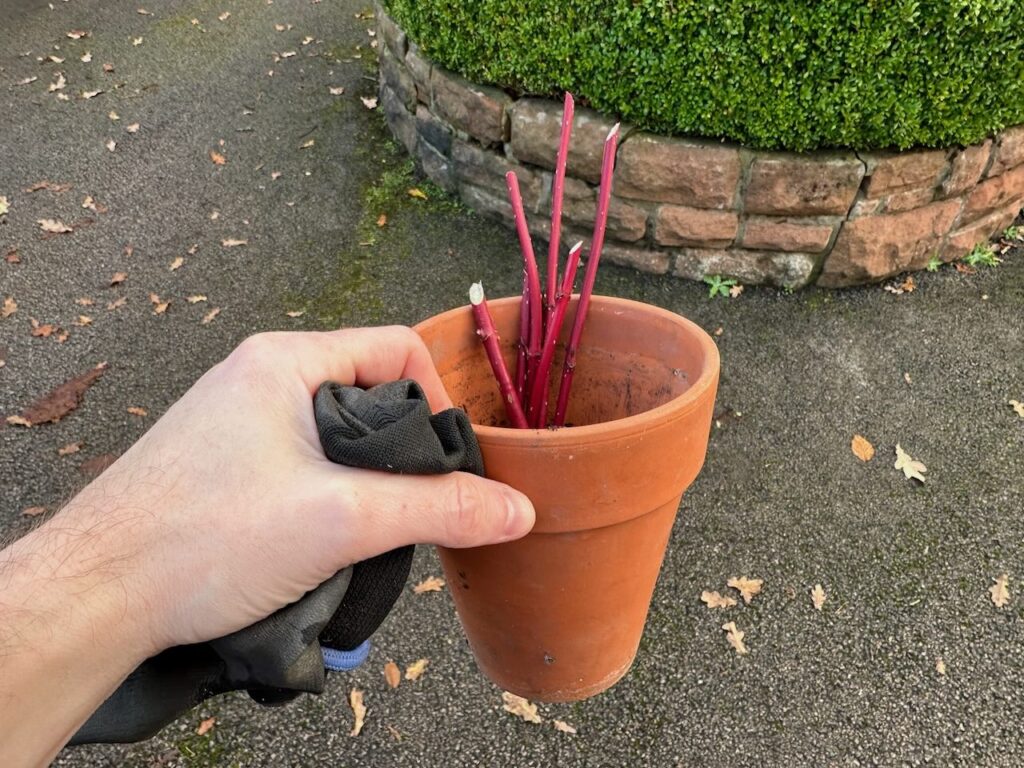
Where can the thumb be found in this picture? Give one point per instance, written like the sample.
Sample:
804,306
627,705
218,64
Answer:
386,511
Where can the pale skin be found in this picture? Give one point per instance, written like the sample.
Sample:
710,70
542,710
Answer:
223,512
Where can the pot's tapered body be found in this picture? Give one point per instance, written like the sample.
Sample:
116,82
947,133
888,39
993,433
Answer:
558,615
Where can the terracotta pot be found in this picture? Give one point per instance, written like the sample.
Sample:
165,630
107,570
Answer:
558,615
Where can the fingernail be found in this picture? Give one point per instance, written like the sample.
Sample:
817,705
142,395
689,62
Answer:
519,514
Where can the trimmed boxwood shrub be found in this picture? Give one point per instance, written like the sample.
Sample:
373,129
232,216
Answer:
793,74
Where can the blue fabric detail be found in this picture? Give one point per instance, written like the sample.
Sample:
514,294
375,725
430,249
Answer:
343,661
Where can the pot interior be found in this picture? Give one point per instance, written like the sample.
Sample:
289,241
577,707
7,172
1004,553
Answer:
630,360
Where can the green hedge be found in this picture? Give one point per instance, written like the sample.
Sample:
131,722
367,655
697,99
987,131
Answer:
771,74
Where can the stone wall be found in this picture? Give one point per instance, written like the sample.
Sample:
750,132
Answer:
695,208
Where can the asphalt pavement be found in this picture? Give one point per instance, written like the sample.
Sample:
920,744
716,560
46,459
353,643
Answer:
306,177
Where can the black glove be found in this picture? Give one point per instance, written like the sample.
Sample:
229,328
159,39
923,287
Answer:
388,428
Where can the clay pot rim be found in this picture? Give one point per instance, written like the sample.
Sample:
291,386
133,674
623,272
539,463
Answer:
528,439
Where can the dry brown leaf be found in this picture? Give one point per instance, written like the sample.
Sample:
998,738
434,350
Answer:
144,12
28,80
1018,407
735,291
91,203
415,670
111,145
86,57
82,321
58,84
61,401
33,511
912,469
224,16
416,192
1000,590
564,727
108,68
209,316
53,187
176,264
117,303
54,59
90,94
43,330
861,448
520,707
118,278
432,584
355,700
907,286
307,144
369,102
97,464
287,54
217,158
392,674
68,449
233,243
275,175
715,600
195,299
135,410
12,257
940,666
382,220
9,308
818,596
84,301
160,308
206,726
18,421
136,41
340,90
133,128
746,587
77,34
54,226
296,313
735,637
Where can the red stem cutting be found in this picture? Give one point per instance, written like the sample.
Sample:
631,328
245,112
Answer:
489,335
557,192
536,299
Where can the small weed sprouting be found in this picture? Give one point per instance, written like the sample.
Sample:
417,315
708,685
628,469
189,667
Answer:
982,255
934,263
1012,233
718,286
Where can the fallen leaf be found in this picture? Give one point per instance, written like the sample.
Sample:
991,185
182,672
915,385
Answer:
911,469
307,144
43,330
117,303
355,699
307,40
160,307
118,278
86,57
48,185
287,54
82,321
217,158
195,299
564,727
964,269
417,193
176,264
18,421
108,68
135,410
1018,407
137,41
206,726
78,34
296,313
369,102
113,116
84,301
68,449
818,597
520,707
214,215
209,316
415,670
224,16
97,464
746,587
53,226
232,243
861,448
336,91
715,600
144,12
133,128
111,145
1000,590
90,203
433,584
12,257
735,291
62,336
58,403
193,249
58,84
279,27
28,80
392,674
735,637
54,59
90,94
907,286
9,308
33,511
275,175
940,666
